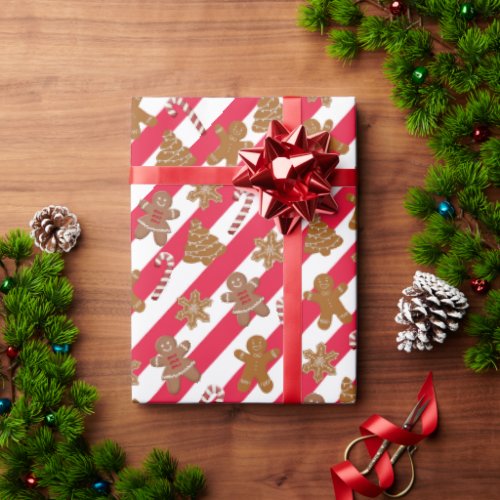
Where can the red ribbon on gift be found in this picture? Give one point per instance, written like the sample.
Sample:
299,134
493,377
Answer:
294,175
291,174
346,477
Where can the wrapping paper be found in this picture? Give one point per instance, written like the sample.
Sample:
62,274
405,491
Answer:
207,269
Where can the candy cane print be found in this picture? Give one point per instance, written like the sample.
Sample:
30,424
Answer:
279,309
353,340
179,101
240,217
168,258
213,394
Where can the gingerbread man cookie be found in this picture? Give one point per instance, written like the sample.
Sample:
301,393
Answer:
347,391
138,304
230,143
242,293
256,360
158,212
134,366
172,357
314,398
328,299
313,127
352,223
140,116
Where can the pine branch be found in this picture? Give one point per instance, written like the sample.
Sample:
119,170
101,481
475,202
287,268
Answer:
42,434
451,97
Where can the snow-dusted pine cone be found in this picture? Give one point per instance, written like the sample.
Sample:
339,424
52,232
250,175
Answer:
55,229
429,309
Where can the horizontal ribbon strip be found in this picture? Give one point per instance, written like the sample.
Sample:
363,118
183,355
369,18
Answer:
178,176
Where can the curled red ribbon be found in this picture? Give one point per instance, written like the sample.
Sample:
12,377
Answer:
346,477
292,173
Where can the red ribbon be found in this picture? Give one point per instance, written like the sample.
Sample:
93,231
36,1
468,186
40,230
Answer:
346,477
292,174
292,248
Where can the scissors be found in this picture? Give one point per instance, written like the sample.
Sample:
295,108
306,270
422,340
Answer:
412,418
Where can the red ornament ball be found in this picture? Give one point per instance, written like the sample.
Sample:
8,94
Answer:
480,286
397,8
480,133
11,352
31,481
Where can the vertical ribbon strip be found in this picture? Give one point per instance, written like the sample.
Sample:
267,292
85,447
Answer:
292,286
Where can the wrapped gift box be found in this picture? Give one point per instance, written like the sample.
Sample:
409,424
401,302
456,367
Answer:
220,311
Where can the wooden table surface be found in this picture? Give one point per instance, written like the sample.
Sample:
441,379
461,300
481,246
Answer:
67,71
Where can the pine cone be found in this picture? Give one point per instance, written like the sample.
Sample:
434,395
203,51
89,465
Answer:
55,229
429,309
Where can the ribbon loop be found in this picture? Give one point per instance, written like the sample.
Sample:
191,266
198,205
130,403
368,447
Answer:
347,479
292,173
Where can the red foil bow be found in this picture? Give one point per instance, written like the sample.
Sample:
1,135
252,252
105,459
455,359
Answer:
292,174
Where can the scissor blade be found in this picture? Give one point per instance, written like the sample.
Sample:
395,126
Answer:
415,413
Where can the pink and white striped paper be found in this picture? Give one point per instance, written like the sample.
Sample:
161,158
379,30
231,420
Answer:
212,343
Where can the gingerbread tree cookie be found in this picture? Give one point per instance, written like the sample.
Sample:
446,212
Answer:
268,108
172,358
140,116
204,194
256,361
319,362
158,212
321,238
352,223
138,305
231,141
172,152
269,250
201,245
193,309
347,391
242,293
328,299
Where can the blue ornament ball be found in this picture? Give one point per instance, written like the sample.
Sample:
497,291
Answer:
5,405
101,486
445,209
61,348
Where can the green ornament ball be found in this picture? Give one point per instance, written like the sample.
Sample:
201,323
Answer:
467,11
50,419
419,75
7,285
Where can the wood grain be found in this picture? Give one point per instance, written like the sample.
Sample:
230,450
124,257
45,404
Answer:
68,70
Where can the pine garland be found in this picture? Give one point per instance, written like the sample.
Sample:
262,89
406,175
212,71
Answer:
43,452
448,85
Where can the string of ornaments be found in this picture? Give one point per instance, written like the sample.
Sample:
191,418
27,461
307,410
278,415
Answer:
53,229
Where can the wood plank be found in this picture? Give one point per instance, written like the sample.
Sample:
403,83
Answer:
68,70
